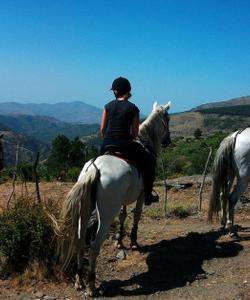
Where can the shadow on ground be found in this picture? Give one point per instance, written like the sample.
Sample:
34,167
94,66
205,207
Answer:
173,263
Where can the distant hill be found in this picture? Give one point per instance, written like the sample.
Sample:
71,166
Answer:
245,100
237,110
4,127
27,151
45,128
34,131
226,116
73,112
184,124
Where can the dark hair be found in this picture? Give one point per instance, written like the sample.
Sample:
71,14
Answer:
121,86
117,94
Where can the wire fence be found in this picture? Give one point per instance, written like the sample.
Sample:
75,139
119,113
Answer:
9,153
17,154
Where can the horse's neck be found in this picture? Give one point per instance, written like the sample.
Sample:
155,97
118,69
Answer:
148,138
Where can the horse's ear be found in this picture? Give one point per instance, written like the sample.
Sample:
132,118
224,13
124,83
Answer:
167,106
155,105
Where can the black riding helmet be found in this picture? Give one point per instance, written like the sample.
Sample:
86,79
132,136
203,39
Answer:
121,85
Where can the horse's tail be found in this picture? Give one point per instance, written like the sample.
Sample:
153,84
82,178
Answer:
222,167
76,211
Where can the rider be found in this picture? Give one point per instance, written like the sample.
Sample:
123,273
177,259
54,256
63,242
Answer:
120,128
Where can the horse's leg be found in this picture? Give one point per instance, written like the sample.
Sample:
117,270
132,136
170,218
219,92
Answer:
79,284
91,276
137,217
224,198
95,247
234,196
121,232
224,203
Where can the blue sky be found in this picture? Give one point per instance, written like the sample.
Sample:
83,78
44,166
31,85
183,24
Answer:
187,51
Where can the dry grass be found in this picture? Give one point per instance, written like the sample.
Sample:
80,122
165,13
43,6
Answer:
50,191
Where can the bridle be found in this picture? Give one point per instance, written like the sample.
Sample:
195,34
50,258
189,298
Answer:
165,120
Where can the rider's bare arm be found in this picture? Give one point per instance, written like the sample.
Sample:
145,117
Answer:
103,122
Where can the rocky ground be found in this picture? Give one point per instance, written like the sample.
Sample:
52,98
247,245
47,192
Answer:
178,259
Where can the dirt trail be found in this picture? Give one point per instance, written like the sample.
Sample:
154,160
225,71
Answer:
178,259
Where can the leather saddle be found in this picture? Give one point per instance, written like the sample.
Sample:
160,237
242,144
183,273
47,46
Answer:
117,151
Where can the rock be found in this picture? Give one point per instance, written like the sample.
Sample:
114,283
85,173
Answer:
39,294
25,297
201,276
33,282
49,298
210,273
121,255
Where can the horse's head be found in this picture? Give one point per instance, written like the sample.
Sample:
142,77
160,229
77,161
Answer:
162,111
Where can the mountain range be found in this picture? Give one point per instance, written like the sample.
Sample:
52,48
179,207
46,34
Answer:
71,112
34,126
45,128
245,100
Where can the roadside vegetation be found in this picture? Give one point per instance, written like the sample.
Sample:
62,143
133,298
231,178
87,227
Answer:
187,156
26,238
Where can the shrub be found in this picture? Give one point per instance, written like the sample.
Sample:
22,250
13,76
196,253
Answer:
73,173
26,235
154,212
188,156
179,211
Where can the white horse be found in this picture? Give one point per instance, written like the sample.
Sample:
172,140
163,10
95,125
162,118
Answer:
232,160
106,185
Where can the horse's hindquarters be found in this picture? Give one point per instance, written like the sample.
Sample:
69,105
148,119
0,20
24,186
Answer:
120,183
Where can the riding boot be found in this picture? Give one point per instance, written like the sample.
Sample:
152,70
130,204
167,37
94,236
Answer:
146,164
148,179
150,198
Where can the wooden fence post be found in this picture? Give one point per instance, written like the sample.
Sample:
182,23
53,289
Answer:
14,175
165,188
204,176
37,178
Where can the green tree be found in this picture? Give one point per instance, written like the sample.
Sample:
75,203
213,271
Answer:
67,157
59,157
197,133
77,153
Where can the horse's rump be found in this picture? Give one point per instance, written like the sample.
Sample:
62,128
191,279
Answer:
221,172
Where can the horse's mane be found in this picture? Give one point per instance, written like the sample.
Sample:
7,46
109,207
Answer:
149,128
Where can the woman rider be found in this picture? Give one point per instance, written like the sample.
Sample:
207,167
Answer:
120,128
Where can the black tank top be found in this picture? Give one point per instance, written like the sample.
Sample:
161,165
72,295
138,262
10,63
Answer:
120,115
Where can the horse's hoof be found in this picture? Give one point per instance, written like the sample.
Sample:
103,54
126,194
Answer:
234,236
78,287
119,245
91,291
117,236
134,246
79,284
